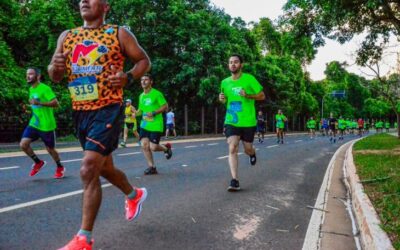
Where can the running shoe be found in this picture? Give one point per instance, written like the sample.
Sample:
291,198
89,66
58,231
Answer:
253,159
133,207
36,167
123,144
168,152
79,242
234,186
59,173
150,171
278,141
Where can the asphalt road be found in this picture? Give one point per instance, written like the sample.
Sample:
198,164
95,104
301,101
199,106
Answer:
188,206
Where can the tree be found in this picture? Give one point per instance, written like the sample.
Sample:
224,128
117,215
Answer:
341,20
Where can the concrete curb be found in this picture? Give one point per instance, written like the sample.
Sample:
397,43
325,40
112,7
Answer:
371,235
312,240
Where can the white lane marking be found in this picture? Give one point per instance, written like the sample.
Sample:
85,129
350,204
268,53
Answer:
71,160
52,198
134,153
8,168
257,149
298,140
212,144
275,208
226,156
273,146
184,165
191,146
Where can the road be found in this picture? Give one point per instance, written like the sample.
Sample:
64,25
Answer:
188,206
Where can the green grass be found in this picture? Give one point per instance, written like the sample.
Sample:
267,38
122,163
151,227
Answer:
378,141
68,138
384,194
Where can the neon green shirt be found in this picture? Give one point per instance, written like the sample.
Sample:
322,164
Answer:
42,117
280,120
150,102
342,124
240,111
387,125
311,124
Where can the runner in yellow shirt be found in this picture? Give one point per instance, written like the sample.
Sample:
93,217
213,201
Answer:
130,122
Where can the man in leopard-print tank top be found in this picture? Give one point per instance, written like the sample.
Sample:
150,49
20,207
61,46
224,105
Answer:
92,57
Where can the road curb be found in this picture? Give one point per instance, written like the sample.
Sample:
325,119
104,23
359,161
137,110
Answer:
312,239
371,235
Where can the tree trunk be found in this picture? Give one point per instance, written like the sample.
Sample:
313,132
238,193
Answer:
398,127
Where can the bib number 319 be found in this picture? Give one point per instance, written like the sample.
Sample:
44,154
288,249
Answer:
84,89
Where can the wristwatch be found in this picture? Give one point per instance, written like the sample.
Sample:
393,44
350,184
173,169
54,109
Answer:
130,77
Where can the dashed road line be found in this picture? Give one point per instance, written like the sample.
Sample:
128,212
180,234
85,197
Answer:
272,146
226,156
73,160
8,168
191,146
212,144
134,153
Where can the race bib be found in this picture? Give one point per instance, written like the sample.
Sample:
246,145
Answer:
84,89
148,119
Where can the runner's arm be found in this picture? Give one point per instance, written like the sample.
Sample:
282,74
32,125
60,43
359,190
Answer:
131,48
258,97
56,68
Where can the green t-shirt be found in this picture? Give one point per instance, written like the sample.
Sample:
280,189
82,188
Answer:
342,124
387,125
240,111
150,102
280,120
42,117
311,124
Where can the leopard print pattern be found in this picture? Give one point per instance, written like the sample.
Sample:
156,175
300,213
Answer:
93,52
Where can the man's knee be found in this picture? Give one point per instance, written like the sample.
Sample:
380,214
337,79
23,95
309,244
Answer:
24,144
89,168
233,148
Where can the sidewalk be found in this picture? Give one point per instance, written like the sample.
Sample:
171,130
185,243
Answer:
343,216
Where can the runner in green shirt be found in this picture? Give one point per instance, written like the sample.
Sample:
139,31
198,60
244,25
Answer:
342,124
151,106
42,124
280,119
387,126
239,92
311,125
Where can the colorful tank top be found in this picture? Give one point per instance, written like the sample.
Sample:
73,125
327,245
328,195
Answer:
128,115
93,52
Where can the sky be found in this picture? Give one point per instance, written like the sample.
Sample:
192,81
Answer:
253,10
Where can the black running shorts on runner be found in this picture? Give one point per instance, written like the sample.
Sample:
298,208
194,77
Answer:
246,133
154,137
99,130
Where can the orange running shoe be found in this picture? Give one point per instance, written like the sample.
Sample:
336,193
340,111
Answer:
133,207
36,167
79,242
59,173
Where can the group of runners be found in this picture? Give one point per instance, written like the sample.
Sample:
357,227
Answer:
94,69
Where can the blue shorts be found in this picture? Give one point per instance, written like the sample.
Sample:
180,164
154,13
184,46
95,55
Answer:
49,137
170,126
99,130
261,129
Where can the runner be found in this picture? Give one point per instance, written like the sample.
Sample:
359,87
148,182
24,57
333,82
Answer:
239,92
360,124
379,126
387,126
280,125
342,124
324,127
261,126
130,122
366,126
151,106
42,123
93,57
332,128
170,123
311,125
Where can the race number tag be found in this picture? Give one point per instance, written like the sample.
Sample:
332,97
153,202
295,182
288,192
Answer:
84,89
147,118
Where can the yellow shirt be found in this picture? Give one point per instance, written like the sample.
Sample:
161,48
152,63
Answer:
129,117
